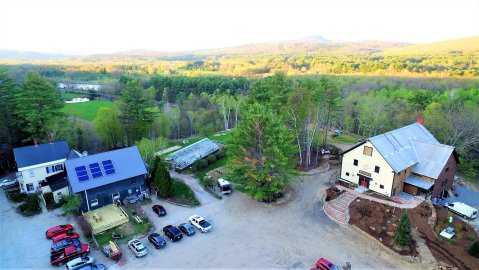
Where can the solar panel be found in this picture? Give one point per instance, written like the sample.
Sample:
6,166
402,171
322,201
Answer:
94,165
97,174
80,168
106,162
107,167
95,170
111,171
82,173
83,178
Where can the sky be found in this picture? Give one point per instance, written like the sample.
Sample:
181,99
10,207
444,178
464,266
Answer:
107,26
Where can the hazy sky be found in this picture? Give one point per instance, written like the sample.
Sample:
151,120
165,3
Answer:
112,26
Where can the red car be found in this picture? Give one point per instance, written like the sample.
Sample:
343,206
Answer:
324,264
58,230
69,253
65,236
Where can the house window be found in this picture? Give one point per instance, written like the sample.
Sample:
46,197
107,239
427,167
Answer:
59,167
376,169
94,203
347,174
447,169
368,151
446,181
29,187
355,162
32,173
381,186
442,183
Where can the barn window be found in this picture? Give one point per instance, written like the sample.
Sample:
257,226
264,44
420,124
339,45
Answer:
355,162
368,151
447,169
376,169
347,174
446,180
94,203
381,186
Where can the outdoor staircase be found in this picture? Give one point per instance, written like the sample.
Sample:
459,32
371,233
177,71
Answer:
337,209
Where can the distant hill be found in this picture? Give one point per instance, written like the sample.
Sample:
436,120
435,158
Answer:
470,44
23,55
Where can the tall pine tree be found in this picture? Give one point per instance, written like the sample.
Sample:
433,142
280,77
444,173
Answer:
162,180
403,231
260,151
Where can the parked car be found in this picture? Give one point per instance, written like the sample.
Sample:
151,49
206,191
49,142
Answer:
78,263
324,264
157,240
172,233
187,229
159,210
69,254
58,230
137,247
67,236
93,267
7,182
461,209
200,223
61,245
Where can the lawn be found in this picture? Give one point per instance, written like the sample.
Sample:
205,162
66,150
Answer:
87,110
70,96
183,194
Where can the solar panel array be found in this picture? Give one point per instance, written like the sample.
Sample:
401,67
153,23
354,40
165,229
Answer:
94,170
186,156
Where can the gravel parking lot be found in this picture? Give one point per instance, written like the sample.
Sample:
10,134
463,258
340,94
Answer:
246,234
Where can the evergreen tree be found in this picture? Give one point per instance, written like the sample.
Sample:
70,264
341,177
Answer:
136,110
10,131
403,231
260,151
474,249
38,107
162,180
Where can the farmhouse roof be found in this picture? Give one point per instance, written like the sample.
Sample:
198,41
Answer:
42,153
126,163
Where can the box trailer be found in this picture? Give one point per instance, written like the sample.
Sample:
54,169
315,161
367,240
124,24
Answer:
461,209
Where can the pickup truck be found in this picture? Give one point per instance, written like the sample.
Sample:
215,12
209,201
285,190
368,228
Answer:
69,253
200,223
461,209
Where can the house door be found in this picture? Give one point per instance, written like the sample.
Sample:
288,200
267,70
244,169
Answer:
364,181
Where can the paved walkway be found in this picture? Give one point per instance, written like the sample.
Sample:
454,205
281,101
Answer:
338,209
201,194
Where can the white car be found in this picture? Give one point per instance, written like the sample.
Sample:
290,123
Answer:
8,182
137,247
200,223
79,263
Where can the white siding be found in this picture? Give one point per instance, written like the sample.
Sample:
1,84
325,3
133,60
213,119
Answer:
39,175
367,164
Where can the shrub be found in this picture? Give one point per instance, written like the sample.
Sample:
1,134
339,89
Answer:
202,164
211,159
84,225
453,241
470,237
31,206
72,203
437,229
50,201
221,153
474,249
194,166
403,231
17,196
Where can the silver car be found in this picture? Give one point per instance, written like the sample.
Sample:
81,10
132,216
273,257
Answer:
137,247
79,263
8,182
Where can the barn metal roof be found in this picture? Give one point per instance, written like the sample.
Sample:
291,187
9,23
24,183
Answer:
397,146
127,163
432,157
418,182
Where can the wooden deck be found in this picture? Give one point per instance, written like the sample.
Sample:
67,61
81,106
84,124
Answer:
105,218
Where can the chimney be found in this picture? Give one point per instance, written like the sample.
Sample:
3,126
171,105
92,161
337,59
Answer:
50,140
419,120
35,141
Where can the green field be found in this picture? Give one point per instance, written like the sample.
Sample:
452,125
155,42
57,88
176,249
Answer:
70,96
87,110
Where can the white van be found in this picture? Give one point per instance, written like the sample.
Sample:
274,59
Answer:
224,186
461,209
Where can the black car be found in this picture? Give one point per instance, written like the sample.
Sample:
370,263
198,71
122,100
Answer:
61,245
172,233
157,240
159,210
187,229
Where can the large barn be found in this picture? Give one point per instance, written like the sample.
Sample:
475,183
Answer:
407,159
